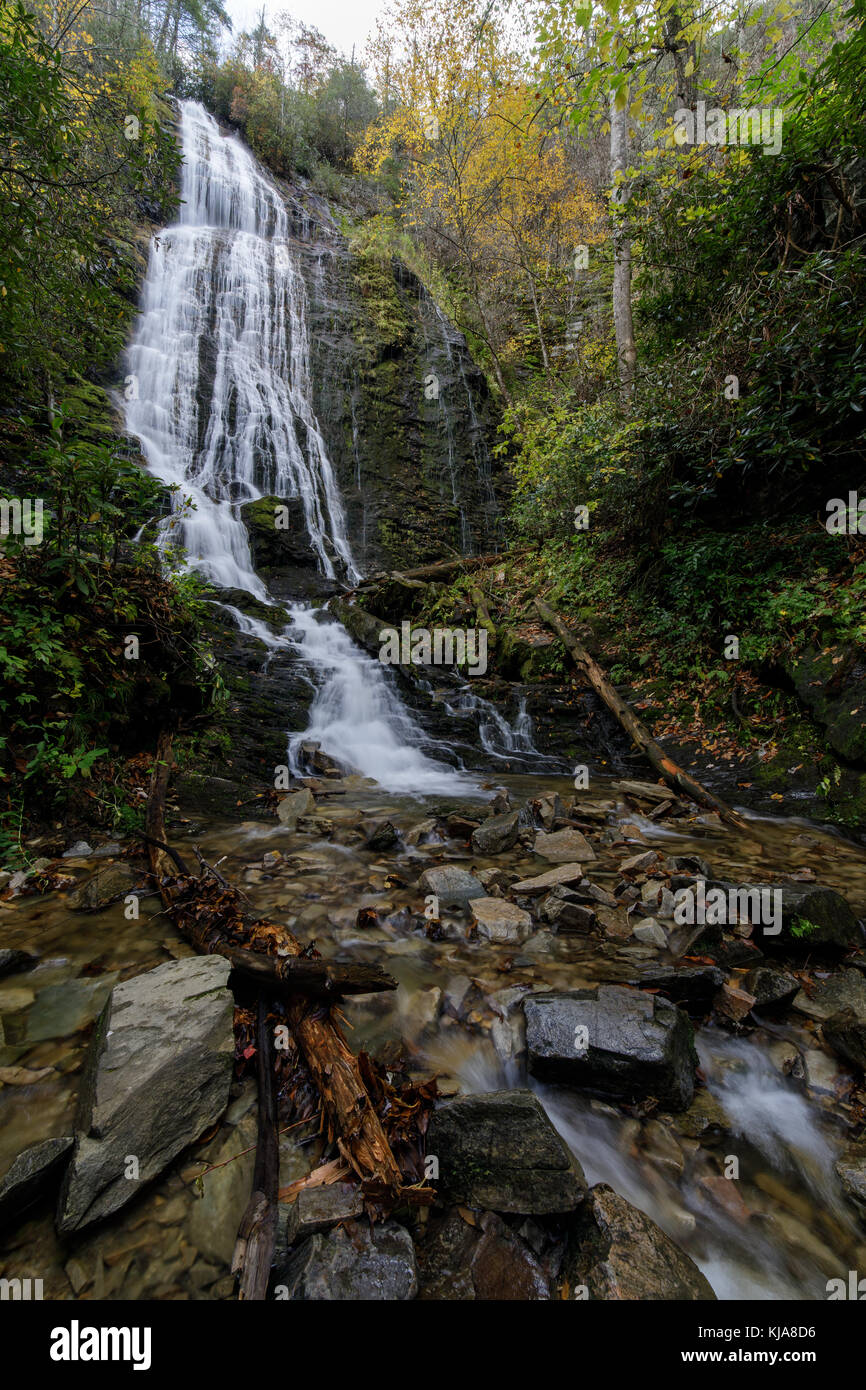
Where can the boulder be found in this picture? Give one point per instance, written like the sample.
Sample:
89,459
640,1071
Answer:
29,1175
372,1264
846,1034
844,990
499,920
566,846
499,1150
616,1252
157,1076
452,886
497,834
614,1041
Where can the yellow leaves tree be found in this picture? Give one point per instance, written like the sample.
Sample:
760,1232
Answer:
484,182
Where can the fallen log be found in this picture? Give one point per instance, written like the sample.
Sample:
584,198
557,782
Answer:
257,1234
440,567
672,773
349,1115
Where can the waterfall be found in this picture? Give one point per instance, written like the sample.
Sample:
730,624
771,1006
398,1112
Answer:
219,366
220,395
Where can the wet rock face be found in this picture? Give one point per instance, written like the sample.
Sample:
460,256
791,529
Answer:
404,411
157,1076
499,1150
368,1264
614,1041
616,1252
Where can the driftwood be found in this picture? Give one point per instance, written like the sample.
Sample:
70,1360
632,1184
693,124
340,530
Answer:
673,774
257,1235
349,1115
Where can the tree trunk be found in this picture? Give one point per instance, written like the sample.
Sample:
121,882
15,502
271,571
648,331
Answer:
622,317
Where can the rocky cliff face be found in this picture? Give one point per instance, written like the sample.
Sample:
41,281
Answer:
404,410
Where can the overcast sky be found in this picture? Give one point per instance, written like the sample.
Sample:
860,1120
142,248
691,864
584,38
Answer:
343,22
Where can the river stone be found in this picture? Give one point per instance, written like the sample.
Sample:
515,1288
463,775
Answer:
846,1034
375,1263
29,1175
616,1252
223,1194
452,886
638,1045
650,933
770,986
845,990
565,873
851,1171
61,1010
157,1075
107,885
566,846
15,960
694,985
499,1150
499,920
294,805
503,1267
318,1208
829,913
497,834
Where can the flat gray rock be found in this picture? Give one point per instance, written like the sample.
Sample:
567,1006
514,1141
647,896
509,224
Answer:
614,1041
157,1075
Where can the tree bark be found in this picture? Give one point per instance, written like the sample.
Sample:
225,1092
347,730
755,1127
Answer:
257,1234
626,351
673,774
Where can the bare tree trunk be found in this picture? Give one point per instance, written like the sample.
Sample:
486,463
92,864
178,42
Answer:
622,317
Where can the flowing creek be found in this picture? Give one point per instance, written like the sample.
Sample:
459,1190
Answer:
221,358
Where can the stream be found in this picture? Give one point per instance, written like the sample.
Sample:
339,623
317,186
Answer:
221,360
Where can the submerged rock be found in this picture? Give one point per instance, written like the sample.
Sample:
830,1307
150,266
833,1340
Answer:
618,1042
499,1150
616,1252
375,1263
452,886
157,1076
106,886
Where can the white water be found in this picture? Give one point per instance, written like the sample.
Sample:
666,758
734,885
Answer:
220,365
222,398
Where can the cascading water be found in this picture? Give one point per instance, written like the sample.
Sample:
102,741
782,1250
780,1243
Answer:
221,400
219,365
